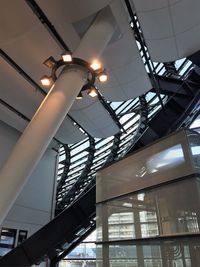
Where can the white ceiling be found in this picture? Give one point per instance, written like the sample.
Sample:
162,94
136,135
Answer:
171,27
25,39
94,118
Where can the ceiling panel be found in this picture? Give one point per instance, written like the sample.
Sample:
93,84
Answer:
127,75
151,19
143,5
12,119
31,45
15,23
57,14
17,92
72,11
171,28
68,133
93,117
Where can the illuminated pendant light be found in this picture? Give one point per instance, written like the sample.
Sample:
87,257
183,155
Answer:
92,92
95,65
103,77
67,56
46,81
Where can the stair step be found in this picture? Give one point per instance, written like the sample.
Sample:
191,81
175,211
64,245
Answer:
190,88
194,77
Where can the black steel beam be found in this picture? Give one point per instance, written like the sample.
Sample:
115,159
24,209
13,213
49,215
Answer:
49,26
170,86
12,63
65,169
74,244
140,38
143,121
114,149
14,110
72,193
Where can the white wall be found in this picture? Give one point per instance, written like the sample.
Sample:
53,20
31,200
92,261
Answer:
33,207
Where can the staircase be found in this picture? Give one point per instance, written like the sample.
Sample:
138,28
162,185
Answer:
181,106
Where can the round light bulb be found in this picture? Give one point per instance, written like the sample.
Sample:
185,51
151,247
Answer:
45,80
103,77
92,92
95,65
67,57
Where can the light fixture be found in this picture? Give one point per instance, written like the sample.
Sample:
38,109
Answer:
49,62
94,71
67,56
92,92
79,96
45,80
95,65
103,77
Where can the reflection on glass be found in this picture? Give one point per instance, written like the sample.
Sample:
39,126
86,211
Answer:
84,250
166,159
172,253
121,226
195,149
87,249
136,220
170,157
83,255
194,143
161,211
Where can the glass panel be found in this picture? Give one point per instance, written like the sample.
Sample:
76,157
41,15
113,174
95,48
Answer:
22,236
83,255
164,210
194,143
7,240
84,250
171,253
163,161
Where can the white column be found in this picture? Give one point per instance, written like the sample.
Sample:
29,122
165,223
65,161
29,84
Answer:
97,36
40,131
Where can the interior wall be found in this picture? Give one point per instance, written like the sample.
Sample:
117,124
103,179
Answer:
35,204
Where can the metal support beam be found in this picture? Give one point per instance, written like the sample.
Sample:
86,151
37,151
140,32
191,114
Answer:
70,195
141,40
12,63
46,22
65,169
